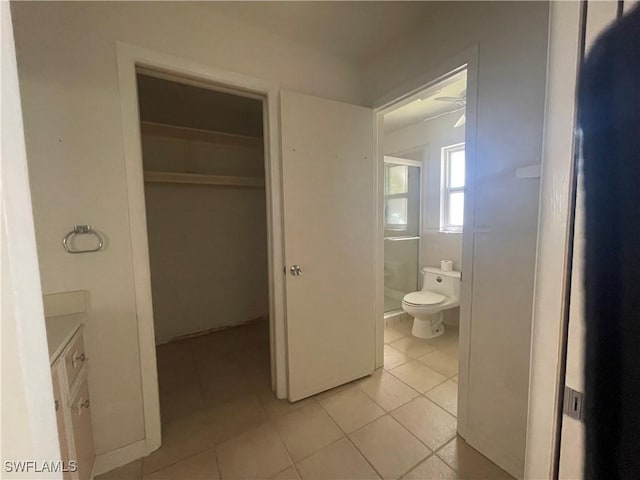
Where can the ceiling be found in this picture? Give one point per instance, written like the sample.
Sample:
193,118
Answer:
424,106
353,31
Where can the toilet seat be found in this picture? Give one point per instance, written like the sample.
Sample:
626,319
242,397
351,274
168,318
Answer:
423,298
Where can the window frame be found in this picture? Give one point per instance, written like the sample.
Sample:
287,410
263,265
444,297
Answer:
446,189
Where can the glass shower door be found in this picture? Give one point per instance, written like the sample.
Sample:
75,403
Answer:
401,230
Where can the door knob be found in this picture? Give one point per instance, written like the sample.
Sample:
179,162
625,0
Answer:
296,271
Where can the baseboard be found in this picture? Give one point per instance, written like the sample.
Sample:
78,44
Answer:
513,466
120,456
188,336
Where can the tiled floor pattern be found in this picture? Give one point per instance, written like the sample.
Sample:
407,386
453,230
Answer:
221,421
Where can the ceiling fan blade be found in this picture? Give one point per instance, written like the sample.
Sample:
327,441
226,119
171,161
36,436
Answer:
461,121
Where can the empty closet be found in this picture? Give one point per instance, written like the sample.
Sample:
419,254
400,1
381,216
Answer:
203,159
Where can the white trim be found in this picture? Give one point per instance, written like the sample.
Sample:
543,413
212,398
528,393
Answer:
130,57
547,331
116,458
402,161
468,240
402,95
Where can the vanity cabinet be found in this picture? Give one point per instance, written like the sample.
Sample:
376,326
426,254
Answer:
69,370
62,431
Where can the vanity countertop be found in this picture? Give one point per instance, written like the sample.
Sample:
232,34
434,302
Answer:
60,330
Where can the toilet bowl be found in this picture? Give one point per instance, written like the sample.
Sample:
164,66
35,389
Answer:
440,291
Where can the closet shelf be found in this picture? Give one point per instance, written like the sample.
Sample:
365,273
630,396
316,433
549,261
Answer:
199,135
203,179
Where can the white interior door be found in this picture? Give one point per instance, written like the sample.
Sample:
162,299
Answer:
328,170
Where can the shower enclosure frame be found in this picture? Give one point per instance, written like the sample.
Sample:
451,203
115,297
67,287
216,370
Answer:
390,159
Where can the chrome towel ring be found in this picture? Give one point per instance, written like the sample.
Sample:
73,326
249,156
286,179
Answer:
81,230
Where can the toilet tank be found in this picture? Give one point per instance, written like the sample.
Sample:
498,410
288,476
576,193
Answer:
445,283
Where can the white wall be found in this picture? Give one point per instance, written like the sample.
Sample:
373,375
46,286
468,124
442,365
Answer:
430,137
29,430
68,76
512,40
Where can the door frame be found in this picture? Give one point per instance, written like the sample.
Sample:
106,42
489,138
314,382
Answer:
129,58
399,96
573,27
553,274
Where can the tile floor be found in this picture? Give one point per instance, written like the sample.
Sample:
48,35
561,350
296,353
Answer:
221,420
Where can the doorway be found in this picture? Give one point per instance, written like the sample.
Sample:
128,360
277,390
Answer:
423,225
424,135
295,121
204,186
132,60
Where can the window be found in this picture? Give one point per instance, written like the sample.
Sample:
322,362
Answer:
396,196
452,191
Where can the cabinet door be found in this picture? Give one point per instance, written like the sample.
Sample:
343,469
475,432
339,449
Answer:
80,408
62,429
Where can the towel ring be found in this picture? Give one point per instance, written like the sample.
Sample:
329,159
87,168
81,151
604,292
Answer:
82,230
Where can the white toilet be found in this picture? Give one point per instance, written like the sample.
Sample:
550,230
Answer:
440,291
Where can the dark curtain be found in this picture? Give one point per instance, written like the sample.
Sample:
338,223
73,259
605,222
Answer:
609,116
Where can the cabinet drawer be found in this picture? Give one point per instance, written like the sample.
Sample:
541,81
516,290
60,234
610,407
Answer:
80,408
75,359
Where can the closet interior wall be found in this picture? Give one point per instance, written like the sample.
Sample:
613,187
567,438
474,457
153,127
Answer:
203,162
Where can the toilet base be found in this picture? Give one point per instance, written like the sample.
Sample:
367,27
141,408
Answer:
429,327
